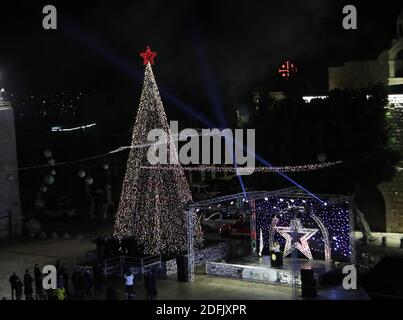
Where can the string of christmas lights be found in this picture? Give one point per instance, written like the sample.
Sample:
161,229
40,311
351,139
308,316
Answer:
301,168
152,202
120,149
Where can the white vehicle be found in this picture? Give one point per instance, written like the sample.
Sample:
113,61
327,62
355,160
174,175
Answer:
214,221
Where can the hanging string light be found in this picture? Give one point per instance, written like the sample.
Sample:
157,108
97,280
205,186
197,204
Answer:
301,168
143,145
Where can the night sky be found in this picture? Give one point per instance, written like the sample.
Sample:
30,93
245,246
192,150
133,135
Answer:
208,51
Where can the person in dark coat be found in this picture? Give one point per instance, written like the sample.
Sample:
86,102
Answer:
58,265
75,282
50,293
98,275
99,243
18,289
81,284
66,278
38,283
108,248
13,281
60,281
28,290
150,285
111,293
88,282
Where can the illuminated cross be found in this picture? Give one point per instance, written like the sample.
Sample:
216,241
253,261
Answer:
287,69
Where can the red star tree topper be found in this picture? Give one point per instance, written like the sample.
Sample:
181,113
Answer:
148,56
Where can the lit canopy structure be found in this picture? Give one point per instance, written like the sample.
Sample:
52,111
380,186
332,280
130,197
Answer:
325,228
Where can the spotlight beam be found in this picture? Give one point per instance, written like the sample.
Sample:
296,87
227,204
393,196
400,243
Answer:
135,74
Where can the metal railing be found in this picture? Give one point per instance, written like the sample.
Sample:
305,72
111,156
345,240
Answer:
120,264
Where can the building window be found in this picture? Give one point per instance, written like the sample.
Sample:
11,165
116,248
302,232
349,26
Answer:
399,64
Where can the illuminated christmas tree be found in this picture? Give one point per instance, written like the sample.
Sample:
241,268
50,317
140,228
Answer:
152,202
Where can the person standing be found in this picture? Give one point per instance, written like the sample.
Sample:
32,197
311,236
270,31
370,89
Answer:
150,285
38,283
75,281
18,289
57,266
13,281
66,279
100,248
98,279
81,284
88,282
28,290
111,293
129,284
60,281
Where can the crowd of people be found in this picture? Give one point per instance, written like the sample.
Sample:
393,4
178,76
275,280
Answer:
28,283
84,283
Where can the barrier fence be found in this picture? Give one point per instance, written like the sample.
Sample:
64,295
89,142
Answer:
120,264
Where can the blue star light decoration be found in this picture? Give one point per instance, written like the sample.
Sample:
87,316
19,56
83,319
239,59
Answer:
294,240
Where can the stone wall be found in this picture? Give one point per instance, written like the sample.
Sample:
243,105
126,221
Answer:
358,74
9,185
215,252
393,191
393,195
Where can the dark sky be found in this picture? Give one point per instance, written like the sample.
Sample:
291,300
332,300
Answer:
207,50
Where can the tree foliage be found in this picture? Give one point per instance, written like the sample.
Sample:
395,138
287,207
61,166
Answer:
349,125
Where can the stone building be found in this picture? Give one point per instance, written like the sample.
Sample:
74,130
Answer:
393,191
10,212
387,69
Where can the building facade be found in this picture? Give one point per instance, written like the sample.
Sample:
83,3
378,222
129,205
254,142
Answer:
393,191
388,70
10,211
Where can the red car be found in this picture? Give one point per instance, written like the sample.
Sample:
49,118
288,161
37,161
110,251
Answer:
241,227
